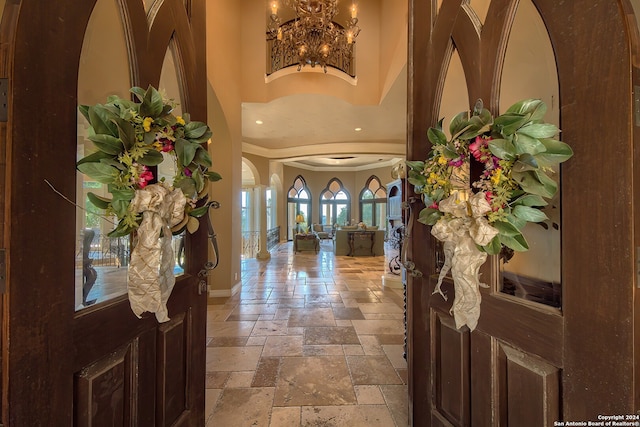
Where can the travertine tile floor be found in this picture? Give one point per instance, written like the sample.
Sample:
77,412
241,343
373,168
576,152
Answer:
312,340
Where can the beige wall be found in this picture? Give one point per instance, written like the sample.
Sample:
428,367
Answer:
224,102
262,167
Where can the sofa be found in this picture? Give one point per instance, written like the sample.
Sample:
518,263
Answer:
362,242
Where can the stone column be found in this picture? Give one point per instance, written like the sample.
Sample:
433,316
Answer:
261,202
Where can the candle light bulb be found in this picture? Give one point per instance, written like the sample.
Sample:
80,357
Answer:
354,11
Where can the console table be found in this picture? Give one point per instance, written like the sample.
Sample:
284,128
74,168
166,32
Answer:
306,242
369,237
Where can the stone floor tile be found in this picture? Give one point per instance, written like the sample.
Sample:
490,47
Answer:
285,416
387,339
255,309
383,316
396,398
395,354
381,308
227,342
267,372
270,327
348,313
232,358
369,395
239,379
256,340
211,397
282,314
317,381
344,323
353,350
283,346
370,345
311,317
322,350
229,329
372,370
375,327
243,407
403,374
351,416
330,335
216,379
219,315
242,317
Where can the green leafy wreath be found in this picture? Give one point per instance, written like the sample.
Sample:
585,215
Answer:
131,137
513,157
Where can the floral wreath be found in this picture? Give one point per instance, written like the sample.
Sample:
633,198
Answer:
131,137
482,187
505,161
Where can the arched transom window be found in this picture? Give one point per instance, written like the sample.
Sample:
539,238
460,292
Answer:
298,206
335,204
373,203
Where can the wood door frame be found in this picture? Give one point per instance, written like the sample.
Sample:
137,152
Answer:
41,49
596,71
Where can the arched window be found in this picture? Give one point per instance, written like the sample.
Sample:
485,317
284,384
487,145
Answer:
335,204
373,203
298,207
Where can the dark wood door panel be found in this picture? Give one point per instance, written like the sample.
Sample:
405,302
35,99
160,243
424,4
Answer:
482,368
113,323
495,376
115,390
173,353
450,363
535,328
532,395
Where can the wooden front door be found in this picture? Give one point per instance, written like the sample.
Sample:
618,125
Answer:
65,363
565,354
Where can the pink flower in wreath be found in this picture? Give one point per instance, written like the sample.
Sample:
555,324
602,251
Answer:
167,145
145,176
476,146
457,162
488,195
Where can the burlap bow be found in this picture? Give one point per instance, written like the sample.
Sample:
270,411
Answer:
151,276
460,230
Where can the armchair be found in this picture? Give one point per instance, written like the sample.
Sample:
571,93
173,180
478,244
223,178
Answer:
321,231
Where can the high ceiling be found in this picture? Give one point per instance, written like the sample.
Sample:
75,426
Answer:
315,131
321,131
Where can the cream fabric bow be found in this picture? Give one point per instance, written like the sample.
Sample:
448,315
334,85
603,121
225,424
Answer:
151,277
460,230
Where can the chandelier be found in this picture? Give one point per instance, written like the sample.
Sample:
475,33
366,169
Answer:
312,37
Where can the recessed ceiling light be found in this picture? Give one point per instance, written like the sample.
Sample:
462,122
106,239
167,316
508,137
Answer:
358,129
259,122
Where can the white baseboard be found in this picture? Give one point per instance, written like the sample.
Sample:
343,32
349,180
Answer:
216,293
